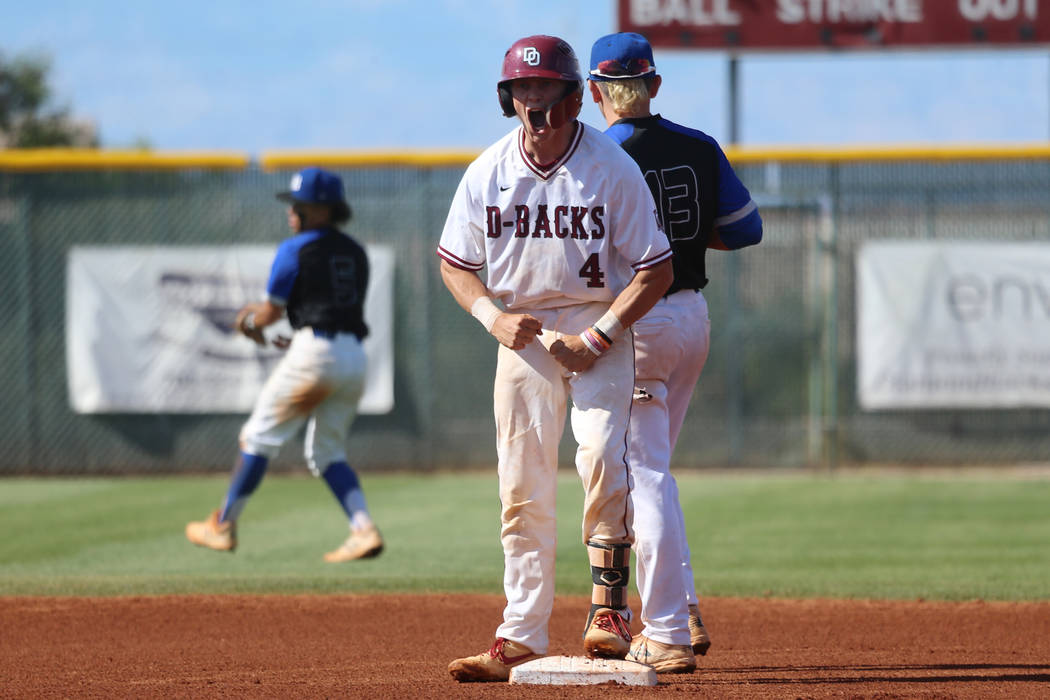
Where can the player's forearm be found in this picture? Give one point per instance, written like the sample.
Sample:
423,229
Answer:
263,313
642,293
464,285
512,330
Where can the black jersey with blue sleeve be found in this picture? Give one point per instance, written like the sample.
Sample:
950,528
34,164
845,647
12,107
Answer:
320,277
695,189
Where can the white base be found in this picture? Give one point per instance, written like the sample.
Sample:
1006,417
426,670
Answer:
580,670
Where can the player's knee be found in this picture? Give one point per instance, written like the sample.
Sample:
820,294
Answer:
526,517
648,531
250,444
318,459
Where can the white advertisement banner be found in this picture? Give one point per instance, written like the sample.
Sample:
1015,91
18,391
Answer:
149,329
944,324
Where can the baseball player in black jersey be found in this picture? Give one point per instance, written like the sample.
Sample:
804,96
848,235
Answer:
319,278
702,205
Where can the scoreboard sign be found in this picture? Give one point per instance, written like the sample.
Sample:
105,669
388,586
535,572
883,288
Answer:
828,24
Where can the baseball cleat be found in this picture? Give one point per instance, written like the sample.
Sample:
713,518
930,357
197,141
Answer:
213,534
361,544
698,636
608,635
492,665
664,658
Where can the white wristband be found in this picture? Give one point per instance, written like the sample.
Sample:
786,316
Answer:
248,322
599,337
610,325
486,311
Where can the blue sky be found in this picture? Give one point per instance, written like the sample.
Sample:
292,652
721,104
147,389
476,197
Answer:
259,75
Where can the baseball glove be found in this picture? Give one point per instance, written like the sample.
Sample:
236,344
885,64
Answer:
245,325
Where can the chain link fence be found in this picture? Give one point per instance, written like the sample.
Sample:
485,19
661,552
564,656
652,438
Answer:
778,390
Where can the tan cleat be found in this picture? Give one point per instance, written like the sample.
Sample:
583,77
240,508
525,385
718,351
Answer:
213,534
607,636
492,665
361,544
698,636
664,658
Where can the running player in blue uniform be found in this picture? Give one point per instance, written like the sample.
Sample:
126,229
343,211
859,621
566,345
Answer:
318,278
702,204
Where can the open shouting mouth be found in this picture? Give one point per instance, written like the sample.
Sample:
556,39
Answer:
537,118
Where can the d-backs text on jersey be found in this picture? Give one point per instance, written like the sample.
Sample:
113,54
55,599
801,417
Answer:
567,222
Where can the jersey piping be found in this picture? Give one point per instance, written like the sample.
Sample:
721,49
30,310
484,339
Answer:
739,214
653,261
545,172
455,261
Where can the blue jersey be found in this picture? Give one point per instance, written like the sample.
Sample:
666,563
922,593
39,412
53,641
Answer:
321,277
695,189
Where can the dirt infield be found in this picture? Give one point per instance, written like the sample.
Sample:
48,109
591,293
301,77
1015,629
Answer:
384,647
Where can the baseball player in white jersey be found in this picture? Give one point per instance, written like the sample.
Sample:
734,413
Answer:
703,205
565,225
319,277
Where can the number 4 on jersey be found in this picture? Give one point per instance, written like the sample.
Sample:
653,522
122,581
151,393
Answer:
592,272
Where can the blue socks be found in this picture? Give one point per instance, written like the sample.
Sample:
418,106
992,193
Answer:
246,477
346,488
340,478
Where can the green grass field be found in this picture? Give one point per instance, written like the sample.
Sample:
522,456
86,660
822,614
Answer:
959,537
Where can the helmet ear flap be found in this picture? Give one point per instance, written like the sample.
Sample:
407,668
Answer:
567,109
506,101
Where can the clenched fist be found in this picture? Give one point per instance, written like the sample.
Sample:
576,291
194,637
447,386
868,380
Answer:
516,330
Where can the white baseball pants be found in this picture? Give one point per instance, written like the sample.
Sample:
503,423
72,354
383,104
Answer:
671,346
318,381
530,396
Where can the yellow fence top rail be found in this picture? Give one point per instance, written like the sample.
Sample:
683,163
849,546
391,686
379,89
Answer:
54,159
285,160
279,160
60,159
887,152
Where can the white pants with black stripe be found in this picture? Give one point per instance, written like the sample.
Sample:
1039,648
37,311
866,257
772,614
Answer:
531,394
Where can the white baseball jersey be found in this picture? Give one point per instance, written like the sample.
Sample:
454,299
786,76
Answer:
546,240
561,241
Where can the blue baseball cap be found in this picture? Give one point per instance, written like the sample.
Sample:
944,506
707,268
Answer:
621,56
318,186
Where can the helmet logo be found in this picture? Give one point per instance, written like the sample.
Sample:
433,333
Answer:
531,56
297,182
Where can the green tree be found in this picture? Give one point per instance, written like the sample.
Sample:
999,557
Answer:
28,119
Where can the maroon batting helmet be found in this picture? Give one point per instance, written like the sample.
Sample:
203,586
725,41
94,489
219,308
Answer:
542,56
